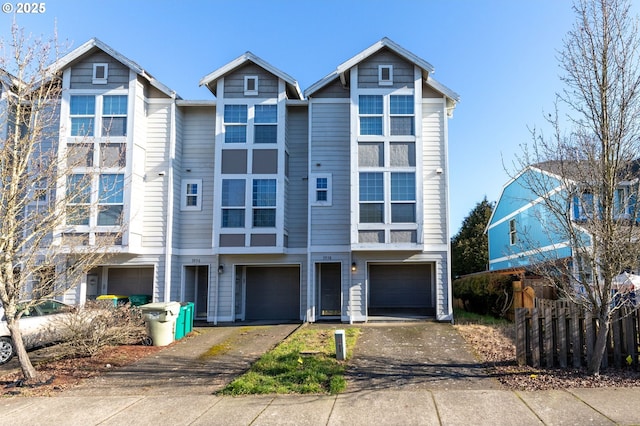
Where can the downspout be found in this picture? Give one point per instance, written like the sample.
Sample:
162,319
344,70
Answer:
168,250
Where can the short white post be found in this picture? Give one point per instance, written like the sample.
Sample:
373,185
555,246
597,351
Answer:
341,345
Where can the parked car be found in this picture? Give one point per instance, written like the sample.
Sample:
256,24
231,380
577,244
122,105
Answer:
35,325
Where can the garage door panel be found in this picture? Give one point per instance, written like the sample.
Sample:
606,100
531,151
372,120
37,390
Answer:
273,293
129,281
401,287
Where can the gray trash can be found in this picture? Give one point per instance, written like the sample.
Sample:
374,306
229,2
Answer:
160,319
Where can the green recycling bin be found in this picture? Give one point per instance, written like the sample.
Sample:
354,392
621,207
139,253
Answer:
139,299
184,322
160,319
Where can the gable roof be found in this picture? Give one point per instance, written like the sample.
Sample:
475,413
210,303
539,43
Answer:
427,68
210,79
93,44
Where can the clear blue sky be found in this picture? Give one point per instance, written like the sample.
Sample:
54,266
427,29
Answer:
499,55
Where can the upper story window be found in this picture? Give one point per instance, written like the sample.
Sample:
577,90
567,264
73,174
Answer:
79,199
256,123
82,110
110,199
251,85
108,110
386,115
235,123
385,75
403,197
114,115
265,129
372,197
191,194
233,203
401,115
264,203
321,190
371,114
100,73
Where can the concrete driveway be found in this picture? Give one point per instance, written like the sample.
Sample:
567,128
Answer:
414,355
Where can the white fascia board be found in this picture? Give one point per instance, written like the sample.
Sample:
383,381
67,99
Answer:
453,96
196,103
320,84
528,253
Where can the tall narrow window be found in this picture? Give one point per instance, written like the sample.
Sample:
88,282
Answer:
513,234
265,121
401,115
235,123
403,197
79,197
233,203
371,198
264,203
371,114
191,194
110,199
114,115
82,110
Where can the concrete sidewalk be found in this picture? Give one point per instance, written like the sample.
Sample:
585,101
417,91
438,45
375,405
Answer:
412,374
388,407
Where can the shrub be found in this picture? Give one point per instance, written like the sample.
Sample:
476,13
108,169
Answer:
484,293
87,330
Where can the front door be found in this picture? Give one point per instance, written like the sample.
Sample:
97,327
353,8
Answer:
196,285
329,277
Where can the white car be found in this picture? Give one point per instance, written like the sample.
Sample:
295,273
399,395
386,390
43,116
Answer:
35,326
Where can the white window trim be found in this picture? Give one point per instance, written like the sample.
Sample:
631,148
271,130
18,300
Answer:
382,82
198,195
314,188
103,80
248,92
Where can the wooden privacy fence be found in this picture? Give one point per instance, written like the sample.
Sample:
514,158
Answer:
561,334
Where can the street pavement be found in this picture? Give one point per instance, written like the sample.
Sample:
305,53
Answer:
420,396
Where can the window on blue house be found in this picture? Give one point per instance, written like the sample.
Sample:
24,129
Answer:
513,232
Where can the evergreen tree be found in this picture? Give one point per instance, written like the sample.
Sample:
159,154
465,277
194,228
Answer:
469,247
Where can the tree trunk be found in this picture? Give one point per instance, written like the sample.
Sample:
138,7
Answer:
28,371
600,347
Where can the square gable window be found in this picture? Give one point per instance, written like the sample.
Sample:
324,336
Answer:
385,75
251,85
100,73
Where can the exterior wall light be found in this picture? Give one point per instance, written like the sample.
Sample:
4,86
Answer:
220,269
354,267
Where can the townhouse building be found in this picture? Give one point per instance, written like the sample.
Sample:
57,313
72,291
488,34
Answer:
266,203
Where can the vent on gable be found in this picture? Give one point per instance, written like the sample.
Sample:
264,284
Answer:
385,75
100,73
251,85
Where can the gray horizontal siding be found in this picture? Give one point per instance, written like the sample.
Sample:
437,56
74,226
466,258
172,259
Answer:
434,189
335,89
330,148
197,148
157,160
296,208
403,71
82,73
234,82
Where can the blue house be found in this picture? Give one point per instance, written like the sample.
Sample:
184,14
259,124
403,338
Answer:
523,231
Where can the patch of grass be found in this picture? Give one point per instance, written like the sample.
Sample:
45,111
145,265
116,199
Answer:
303,363
461,316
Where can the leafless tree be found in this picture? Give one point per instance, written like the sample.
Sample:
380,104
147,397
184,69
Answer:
41,198
585,173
